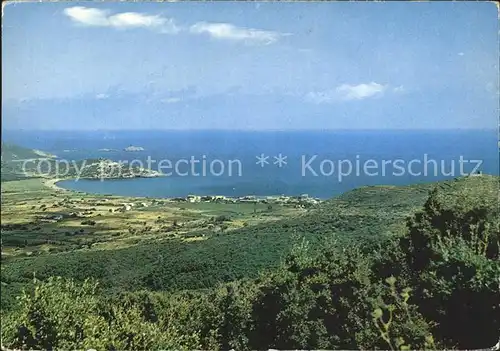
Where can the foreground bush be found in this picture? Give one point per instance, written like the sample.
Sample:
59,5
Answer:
323,301
61,314
452,254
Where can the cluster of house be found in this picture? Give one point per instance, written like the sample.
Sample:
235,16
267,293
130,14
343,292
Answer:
285,200
303,200
127,206
52,218
60,216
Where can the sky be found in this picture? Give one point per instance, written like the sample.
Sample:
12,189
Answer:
250,65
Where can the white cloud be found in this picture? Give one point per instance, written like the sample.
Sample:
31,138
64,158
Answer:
87,16
102,18
93,17
101,96
347,92
135,20
360,91
227,31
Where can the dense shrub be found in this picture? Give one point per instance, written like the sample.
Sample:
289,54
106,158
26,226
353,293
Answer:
62,314
452,256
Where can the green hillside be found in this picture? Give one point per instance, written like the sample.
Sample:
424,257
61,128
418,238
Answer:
11,152
12,155
365,215
379,267
174,265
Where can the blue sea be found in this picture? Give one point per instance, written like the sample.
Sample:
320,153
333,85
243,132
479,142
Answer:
321,164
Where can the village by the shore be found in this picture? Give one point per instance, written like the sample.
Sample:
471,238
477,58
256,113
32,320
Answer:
303,201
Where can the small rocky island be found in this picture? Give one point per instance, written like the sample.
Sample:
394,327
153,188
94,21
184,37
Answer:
133,148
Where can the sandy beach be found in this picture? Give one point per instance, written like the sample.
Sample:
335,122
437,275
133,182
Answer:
52,183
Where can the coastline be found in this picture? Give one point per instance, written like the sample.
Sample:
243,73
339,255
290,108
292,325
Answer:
194,198
52,184
270,199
